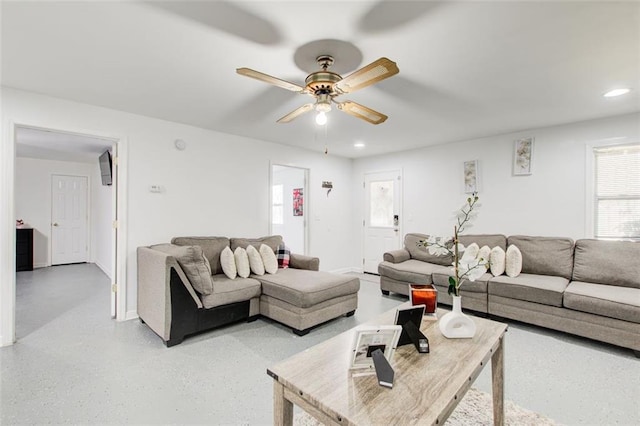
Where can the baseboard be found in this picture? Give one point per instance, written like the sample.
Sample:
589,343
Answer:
40,265
346,270
7,343
131,315
106,271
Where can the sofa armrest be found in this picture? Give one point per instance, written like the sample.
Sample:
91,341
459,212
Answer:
397,256
154,289
299,261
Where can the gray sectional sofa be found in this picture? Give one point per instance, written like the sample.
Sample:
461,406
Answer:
589,288
177,297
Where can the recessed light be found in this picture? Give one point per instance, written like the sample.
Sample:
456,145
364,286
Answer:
359,145
616,92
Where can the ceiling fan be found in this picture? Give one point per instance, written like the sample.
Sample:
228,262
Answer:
325,86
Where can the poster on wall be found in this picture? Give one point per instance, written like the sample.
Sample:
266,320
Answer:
298,202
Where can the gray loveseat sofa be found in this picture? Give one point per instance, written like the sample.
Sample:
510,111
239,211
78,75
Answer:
589,288
177,298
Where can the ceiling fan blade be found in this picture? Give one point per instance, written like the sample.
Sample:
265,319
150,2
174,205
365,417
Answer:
371,74
248,72
362,112
295,113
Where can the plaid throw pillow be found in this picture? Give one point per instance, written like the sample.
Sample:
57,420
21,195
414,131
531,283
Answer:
283,254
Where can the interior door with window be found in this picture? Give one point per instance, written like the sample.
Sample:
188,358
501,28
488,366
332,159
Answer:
69,219
290,206
382,233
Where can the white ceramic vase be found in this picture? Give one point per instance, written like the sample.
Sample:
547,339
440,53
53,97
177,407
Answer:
455,324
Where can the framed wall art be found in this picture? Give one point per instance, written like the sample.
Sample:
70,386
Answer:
298,202
471,176
522,156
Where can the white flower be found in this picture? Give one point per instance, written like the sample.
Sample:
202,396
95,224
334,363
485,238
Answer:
438,250
471,269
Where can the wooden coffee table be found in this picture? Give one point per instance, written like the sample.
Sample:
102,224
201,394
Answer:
426,389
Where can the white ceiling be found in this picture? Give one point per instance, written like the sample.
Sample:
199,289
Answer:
48,145
467,69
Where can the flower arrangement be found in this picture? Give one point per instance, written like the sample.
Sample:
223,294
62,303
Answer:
464,267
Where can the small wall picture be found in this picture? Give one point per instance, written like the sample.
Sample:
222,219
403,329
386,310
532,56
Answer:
298,202
522,156
471,176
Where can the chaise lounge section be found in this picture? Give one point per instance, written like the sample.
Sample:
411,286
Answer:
179,295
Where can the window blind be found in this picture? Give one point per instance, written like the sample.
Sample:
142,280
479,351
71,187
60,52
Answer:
617,194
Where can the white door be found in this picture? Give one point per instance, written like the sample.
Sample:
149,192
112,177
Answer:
383,199
69,219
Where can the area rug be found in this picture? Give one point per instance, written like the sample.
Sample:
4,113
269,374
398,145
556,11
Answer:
475,409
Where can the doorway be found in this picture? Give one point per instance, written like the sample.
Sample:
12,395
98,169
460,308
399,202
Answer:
383,203
290,206
114,233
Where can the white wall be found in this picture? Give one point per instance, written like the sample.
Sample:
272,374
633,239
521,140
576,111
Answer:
33,205
550,202
219,185
101,222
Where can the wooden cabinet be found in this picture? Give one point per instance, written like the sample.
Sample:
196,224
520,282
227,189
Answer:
24,249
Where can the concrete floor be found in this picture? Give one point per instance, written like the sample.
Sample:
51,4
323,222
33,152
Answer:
72,364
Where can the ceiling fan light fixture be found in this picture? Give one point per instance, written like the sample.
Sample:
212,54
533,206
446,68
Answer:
321,118
323,104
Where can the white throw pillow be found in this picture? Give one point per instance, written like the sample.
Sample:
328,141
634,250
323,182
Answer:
470,252
255,260
228,263
483,256
269,259
242,262
513,262
497,260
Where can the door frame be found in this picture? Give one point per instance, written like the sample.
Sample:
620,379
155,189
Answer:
88,240
306,198
7,221
399,172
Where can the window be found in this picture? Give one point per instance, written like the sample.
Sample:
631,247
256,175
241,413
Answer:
277,208
381,208
617,192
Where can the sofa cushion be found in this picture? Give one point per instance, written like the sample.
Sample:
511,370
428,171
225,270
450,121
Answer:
228,263
545,255
477,286
497,261
268,259
607,262
543,289
211,247
194,264
283,254
255,260
471,252
622,303
242,262
513,261
227,291
272,241
412,271
421,253
304,288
